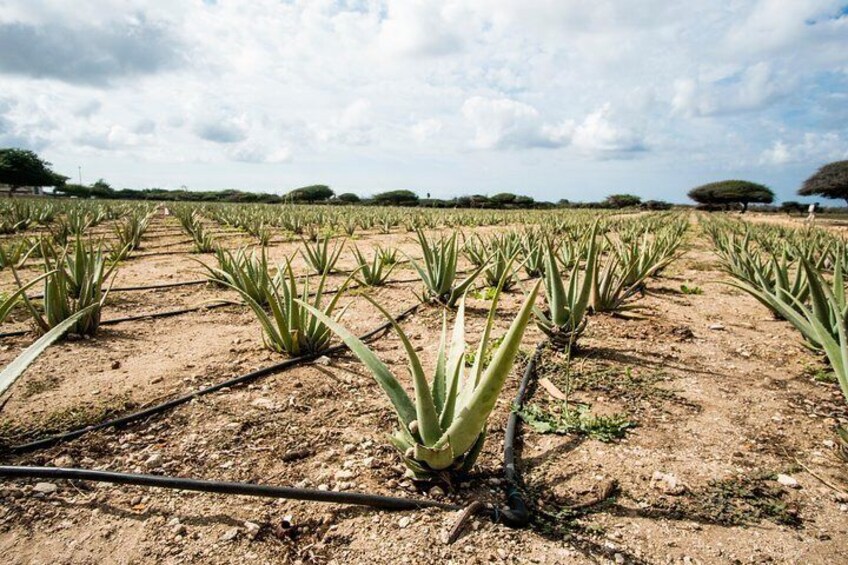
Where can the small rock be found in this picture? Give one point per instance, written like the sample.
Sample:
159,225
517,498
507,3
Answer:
64,461
252,529
371,462
344,475
716,327
404,522
116,365
437,492
155,460
155,380
264,403
45,488
788,481
667,483
229,535
618,558
323,360
349,448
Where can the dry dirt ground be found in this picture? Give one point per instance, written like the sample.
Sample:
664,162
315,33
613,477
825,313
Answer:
722,397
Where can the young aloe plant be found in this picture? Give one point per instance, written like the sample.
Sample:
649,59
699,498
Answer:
377,271
439,270
444,427
247,272
291,327
565,318
320,257
74,282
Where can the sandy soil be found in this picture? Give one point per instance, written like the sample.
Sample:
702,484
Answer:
723,398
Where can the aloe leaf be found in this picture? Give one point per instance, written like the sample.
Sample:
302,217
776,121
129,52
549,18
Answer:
428,421
17,367
387,381
469,423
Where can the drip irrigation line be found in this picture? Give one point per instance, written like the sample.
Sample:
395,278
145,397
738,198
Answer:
223,487
141,287
151,316
159,408
180,311
516,514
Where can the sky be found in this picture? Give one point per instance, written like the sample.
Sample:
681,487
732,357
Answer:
549,98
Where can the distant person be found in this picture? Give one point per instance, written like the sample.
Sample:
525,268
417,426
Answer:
811,214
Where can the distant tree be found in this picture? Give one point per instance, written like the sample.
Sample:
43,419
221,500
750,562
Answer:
479,201
655,205
622,200
78,190
396,198
102,189
21,167
313,193
348,198
791,206
563,202
726,192
503,199
830,181
524,201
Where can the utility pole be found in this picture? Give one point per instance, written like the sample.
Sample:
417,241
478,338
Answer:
79,170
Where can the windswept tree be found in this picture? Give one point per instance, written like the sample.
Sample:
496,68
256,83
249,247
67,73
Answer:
396,198
622,200
830,181
313,193
22,167
348,198
727,192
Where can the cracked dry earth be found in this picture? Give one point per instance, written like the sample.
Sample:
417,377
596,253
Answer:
724,399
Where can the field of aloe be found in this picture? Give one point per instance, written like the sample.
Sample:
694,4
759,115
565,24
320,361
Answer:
460,385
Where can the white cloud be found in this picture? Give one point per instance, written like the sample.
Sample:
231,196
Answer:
501,123
753,88
423,130
421,28
812,147
598,135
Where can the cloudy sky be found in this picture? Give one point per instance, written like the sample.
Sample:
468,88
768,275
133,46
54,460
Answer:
550,98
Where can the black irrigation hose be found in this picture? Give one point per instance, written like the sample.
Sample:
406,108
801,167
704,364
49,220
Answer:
180,311
222,487
159,408
516,513
141,287
136,317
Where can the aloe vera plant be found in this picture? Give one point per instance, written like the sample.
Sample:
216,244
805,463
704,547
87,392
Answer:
375,272
320,256
248,273
443,428
129,233
438,271
565,317
74,282
291,326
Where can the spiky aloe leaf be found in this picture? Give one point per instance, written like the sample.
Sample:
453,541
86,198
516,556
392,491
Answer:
13,298
471,419
400,400
17,367
425,410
